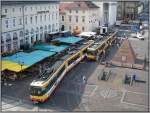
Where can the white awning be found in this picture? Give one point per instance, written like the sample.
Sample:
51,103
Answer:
87,34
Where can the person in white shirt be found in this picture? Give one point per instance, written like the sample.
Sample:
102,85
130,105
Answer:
84,79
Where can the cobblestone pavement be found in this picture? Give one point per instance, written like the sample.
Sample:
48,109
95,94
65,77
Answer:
94,95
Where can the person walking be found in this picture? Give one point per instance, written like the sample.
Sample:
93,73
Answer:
134,77
84,79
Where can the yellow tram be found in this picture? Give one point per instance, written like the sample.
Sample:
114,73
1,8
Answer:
41,89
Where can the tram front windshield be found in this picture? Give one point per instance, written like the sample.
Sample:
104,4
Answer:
35,90
91,53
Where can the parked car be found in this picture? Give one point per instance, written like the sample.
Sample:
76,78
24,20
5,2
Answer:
139,36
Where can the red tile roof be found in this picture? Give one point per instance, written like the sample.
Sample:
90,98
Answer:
80,5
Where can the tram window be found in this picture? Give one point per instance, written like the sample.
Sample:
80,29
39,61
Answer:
102,46
84,51
91,52
35,90
73,59
57,76
61,71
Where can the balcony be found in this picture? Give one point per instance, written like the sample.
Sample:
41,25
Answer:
8,40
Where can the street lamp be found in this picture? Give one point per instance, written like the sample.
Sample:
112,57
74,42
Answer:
22,63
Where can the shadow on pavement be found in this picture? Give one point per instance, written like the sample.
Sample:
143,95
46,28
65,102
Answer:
68,95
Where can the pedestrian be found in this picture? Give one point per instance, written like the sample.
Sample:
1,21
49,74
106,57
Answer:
134,77
5,83
118,45
84,79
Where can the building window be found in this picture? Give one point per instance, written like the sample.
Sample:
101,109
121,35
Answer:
35,19
14,22
56,16
83,11
49,17
49,28
76,18
53,27
31,8
27,32
20,21
82,28
37,30
70,28
20,9
62,28
6,22
62,18
45,17
45,28
26,20
70,11
21,42
41,18
8,38
2,48
21,34
8,47
76,11
52,16
25,8
69,18
2,39
32,31
15,45
83,18
13,9
31,20
15,37
6,10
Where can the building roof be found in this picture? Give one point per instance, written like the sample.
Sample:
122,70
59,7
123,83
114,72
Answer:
52,48
28,0
21,60
7,2
69,40
80,5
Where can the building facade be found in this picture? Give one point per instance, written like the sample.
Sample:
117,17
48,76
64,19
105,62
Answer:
78,15
107,12
128,9
25,22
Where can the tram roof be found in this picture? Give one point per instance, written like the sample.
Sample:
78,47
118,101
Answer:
70,39
21,60
52,48
96,44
